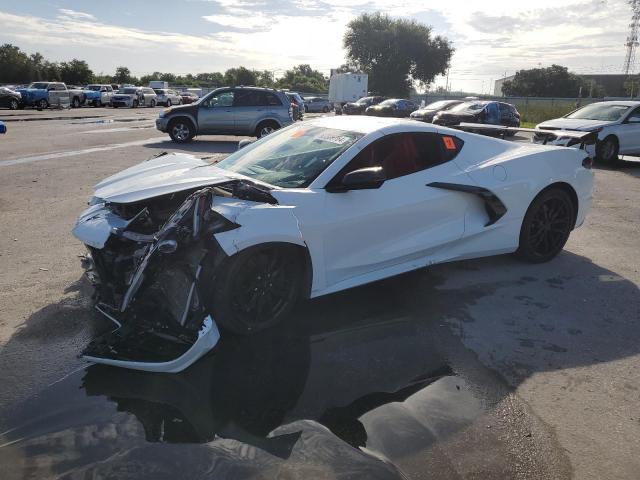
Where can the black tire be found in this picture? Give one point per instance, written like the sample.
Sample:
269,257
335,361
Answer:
153,104
325,109
546,226
75,103
607,150
168,103
306,109
181,130
256,288
42,104
14,104
134,104
114,106
266,127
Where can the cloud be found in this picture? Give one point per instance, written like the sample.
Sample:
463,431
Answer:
67,13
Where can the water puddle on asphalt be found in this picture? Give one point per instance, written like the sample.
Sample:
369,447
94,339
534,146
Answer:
364,400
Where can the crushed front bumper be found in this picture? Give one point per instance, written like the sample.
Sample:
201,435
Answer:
150,285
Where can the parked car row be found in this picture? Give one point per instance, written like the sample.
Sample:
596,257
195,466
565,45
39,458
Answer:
43,95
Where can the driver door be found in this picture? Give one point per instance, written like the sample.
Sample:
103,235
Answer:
629,134
402,221
216,114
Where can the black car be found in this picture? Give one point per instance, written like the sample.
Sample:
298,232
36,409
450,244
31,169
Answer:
358,107
10,99
426,114
489,112
393,107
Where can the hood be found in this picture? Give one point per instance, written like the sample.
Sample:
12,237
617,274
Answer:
423,113
30,90
574,124
170,173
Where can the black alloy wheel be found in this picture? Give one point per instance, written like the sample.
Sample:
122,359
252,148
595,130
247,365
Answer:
546,226
257,289
607,150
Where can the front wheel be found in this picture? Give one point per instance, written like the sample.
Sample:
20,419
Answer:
14,104
134,104
325,109
256,288
42,104
153,104
546,226
265,128
75,103
607,150
181,131
168,103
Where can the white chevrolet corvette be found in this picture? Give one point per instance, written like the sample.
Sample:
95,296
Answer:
178,245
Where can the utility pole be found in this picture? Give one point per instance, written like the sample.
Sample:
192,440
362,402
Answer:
632,39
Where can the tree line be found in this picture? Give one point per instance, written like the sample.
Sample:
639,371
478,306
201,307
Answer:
18,67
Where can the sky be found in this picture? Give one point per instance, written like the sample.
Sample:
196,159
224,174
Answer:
492,38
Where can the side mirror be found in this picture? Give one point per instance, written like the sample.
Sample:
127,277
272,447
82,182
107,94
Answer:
244,143
361,179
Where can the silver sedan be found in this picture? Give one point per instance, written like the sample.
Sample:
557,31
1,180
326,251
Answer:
317,104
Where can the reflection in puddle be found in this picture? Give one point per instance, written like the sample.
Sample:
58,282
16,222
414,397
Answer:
353,402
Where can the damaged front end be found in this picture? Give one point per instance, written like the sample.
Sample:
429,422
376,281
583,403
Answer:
147,261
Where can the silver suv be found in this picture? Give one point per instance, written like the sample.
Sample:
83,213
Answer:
242,111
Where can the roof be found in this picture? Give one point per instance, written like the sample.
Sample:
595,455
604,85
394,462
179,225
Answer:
365,124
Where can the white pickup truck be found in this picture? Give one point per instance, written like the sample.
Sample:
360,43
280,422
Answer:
51,94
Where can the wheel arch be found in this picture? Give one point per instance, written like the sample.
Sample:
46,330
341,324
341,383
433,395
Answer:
184,116
299,249
567,188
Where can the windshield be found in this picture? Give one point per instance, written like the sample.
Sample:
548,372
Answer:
291,158
159,91
39,85
599,111
438,105
472,106
389,103
364,101
129,91
95,88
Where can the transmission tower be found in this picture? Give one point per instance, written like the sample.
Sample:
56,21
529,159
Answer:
632,39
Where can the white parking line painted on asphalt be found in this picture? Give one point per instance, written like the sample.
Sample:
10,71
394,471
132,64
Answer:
73,153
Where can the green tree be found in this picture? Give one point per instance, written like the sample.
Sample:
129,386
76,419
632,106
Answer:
15,66
239,76
211,80
123,75
553,81
395,53
303,78
264,78
75,72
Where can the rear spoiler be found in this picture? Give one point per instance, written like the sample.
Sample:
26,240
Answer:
571,137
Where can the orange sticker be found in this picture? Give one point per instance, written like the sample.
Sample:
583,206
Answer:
298,134
449,144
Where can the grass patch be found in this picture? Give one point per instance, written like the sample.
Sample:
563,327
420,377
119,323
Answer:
532,114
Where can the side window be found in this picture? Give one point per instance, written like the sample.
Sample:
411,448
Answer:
634,116
273,100
246,98
59,86
403,154
222,99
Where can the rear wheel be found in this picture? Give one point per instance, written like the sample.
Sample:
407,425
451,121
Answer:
256,288
265,128
546,226
14,104
607,150
134,104
168,102
325,109
75,103
153,104
42,104
181,130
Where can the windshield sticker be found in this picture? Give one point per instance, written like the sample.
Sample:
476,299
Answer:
333,138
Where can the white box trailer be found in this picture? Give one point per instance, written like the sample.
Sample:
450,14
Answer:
158,84
348,87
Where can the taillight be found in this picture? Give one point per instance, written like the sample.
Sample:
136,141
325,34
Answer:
587,163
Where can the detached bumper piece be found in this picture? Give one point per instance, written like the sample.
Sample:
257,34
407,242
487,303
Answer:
150,285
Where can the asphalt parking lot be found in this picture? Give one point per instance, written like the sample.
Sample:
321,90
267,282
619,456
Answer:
488,368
